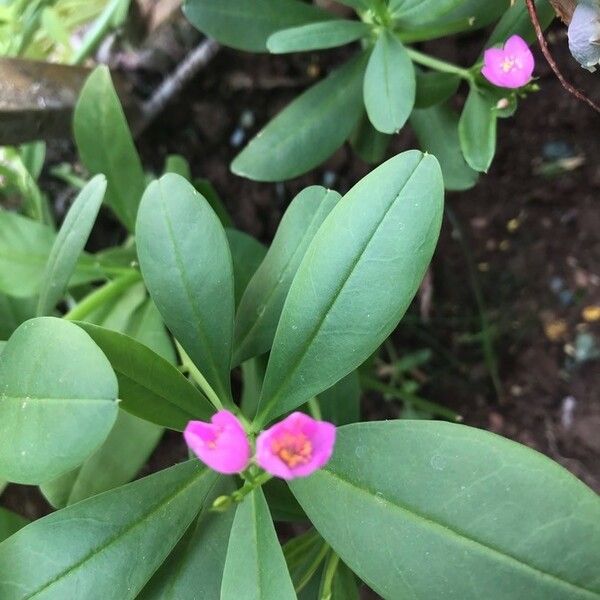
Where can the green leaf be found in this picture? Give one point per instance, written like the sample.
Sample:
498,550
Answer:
281,501
412,13
207,189
86,550
437,131
247,254
317,36
389,86
304,555
58,400
434,87
469,15
105,145
308,130
427,503
343,583
516,21
255,568
187,267
178,164
13,312
10,523
195,567
149,386
340,404
477,129
115,463
356,280
69,244
371,145
247,24
261,304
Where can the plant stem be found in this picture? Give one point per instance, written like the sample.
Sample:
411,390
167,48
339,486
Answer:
250,486
103,294
315,409
438,65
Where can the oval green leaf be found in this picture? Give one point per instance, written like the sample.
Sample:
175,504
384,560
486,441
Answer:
85,550
69,244
247,253
307,131
437,131
149,386
389,86
247,24
317,36
261,304
255,568
186,263
371,145
105,145
434,87
57,401
440,510
356,280
477,129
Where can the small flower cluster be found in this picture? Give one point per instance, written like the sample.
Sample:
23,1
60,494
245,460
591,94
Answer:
510,66
295,447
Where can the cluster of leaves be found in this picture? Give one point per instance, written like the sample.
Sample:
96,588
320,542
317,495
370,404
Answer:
412,508
384,86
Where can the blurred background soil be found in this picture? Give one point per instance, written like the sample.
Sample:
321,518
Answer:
529,243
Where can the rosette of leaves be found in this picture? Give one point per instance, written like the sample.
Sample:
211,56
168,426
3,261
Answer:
385,85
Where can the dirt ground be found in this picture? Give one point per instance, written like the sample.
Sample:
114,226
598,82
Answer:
530,241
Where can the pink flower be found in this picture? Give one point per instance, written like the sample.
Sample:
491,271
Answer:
510,66
221,444
295,447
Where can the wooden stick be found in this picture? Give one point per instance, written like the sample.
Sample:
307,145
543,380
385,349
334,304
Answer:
550,60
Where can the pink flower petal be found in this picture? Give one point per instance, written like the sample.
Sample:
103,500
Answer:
511,66
221,444
295,447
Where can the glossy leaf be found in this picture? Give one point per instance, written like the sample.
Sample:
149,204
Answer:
247,254
119,459
58,400
69,244
371,145
435,87
307,131
340,404
261,304
437,131
149,386
317,36
255,568
85,550
10,523
195,568
477,129
356,280
426,502
247,24
516,21
105,144
389,86
187,267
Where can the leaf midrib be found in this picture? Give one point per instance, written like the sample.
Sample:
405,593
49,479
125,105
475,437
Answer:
485,547
115,538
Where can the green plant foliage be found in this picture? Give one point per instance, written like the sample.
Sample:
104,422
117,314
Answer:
261,304
255,567
356,280
52,418
69,244
247,254
322,117
439,500
105,145
247,24
88,547
175,227
10,523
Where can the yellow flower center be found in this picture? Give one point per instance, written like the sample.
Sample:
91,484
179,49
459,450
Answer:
511,63
292,449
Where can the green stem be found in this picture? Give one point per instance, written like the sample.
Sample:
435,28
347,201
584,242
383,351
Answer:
103,294
251,485
197,376
315,409
438,65
329,573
